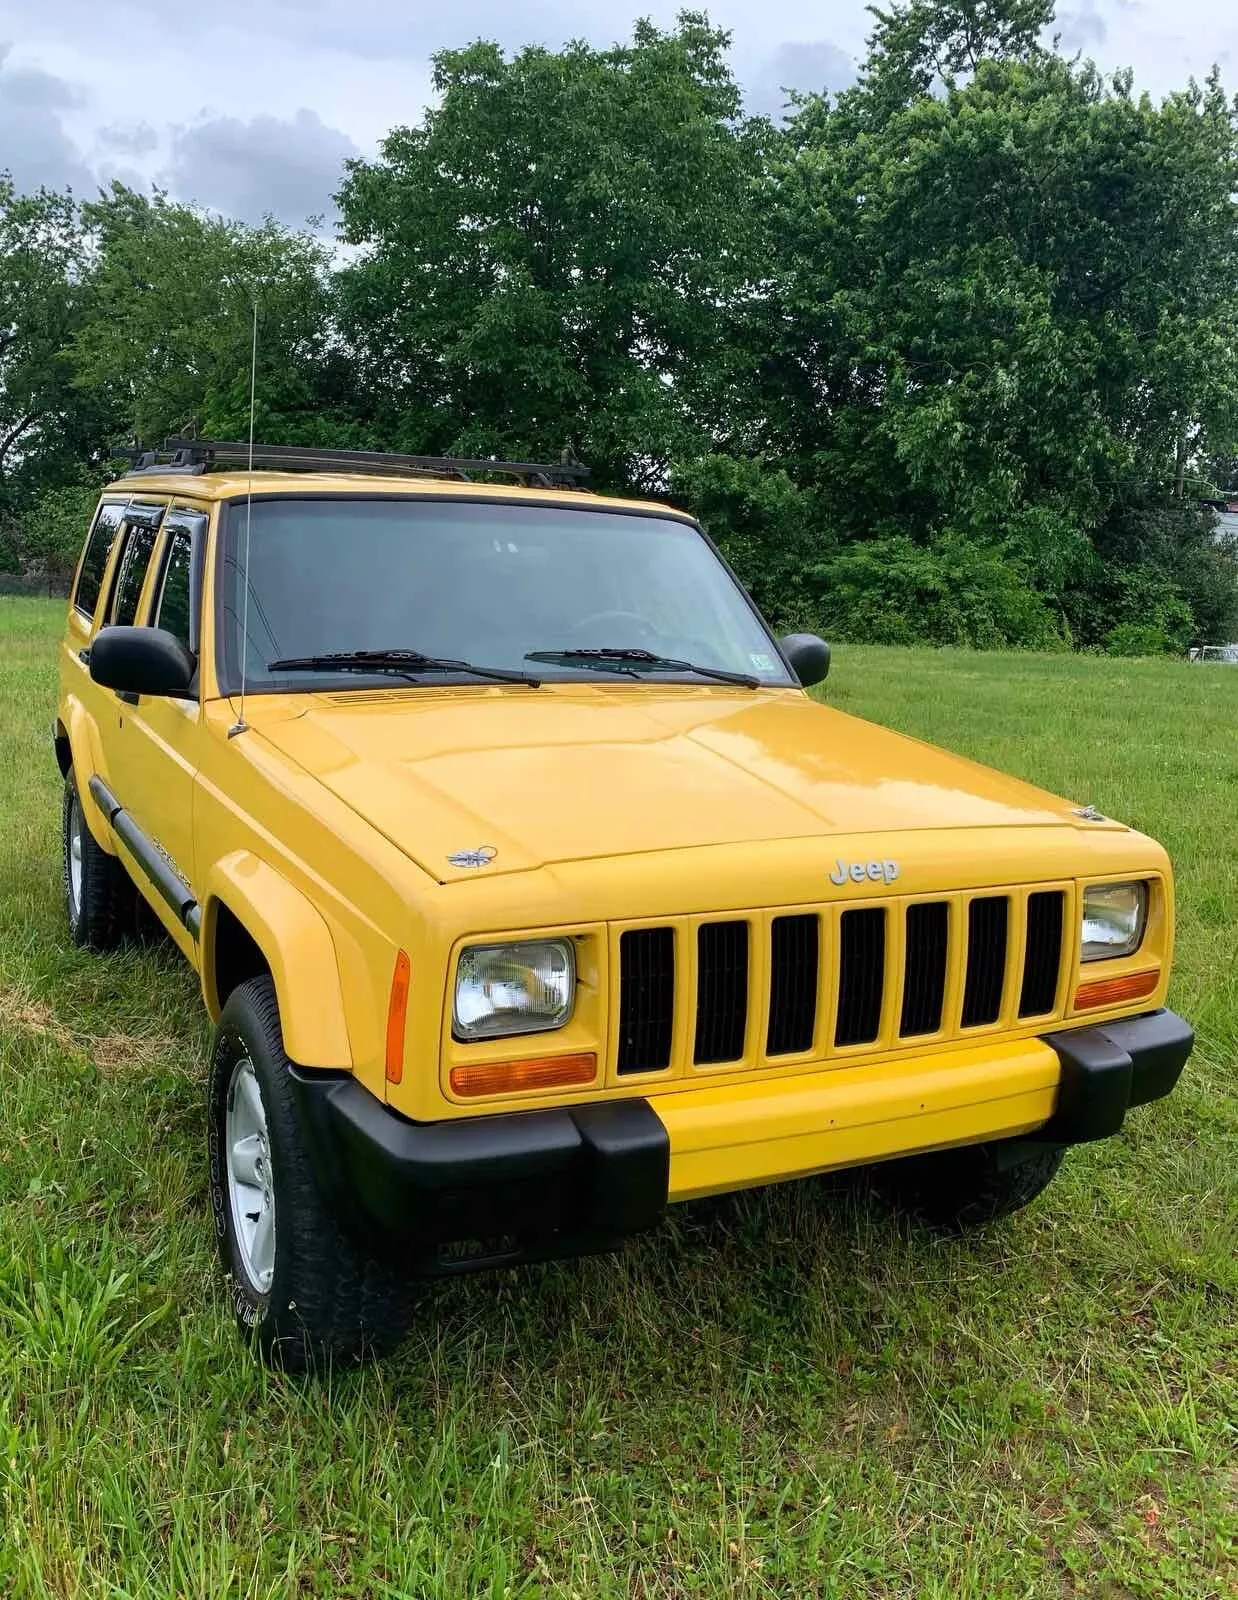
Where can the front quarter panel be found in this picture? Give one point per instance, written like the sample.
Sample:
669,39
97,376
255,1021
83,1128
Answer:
327,900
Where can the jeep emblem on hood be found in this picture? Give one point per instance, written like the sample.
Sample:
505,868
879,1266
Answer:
864,871
482,856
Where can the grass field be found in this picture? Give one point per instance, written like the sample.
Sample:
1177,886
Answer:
783,1394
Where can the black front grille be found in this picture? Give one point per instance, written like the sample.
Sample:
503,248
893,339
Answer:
861,975
988,929
924,969
795,963
646,999
1042,964
721,991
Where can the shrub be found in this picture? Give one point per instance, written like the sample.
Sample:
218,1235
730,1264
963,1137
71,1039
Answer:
52,533
952,592
1138,639
767,527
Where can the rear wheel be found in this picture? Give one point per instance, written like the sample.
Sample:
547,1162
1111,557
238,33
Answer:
964,1188
98,894
302,1288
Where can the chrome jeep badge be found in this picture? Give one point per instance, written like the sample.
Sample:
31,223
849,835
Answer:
864,872
482,856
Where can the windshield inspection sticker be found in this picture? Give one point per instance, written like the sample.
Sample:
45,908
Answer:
761,662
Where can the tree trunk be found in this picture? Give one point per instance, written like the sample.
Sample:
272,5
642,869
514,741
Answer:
1180,466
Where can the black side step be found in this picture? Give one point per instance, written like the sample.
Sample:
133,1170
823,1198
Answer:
171,888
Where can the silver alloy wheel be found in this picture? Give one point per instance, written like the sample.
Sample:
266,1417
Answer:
251,1193
76,843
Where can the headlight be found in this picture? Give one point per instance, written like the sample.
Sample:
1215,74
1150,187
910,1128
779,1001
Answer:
1114,915
513,988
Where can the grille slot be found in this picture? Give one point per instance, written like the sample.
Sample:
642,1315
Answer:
924,969
646,999
795,974
988,930
1042,963
721,991
861,976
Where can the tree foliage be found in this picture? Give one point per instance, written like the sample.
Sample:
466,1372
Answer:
169,338
1005,311
546,260
948,356
47,424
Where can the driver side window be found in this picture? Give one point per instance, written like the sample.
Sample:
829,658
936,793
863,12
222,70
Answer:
175,593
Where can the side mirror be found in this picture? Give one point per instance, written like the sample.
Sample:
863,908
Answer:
808,656
142,661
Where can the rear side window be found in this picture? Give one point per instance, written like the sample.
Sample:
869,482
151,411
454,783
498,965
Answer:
133,564
94,558
174,608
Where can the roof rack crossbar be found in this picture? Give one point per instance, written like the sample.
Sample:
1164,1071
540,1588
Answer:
210,455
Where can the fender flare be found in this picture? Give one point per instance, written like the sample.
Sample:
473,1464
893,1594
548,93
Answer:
293,936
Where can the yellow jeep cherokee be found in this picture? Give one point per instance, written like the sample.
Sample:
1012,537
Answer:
529,891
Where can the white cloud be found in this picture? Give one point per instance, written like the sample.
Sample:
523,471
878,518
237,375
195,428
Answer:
128,139
1083,27
245,169
810,67
219,102
34,146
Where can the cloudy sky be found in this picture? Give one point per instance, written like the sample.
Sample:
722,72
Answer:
251,106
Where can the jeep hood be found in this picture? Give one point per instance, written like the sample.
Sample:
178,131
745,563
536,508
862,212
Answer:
568,773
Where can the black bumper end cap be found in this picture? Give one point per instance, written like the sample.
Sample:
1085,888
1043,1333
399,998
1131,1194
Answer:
1110,1067
594,1174
628,1172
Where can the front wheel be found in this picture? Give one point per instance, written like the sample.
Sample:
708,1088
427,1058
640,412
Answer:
302,1289
955,1190
99,897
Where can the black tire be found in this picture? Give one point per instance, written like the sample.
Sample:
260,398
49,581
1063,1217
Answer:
328,1301
956,1190
100,903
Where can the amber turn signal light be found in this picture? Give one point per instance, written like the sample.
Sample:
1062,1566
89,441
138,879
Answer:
515,1077
1114,991
397,1009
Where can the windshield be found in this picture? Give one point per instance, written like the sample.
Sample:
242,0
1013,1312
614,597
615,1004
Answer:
479,583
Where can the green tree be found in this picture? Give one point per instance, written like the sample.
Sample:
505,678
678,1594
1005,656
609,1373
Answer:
768,528
918,43
1003,311
47,425
170,331
548,259
53,531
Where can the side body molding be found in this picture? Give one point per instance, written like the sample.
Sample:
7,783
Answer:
296,941
159,869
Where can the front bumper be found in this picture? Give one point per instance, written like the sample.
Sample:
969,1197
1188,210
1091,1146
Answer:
456,1195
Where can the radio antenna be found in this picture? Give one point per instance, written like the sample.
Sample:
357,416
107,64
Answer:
240,725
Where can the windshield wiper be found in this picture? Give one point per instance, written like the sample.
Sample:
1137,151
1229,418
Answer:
634,661
403,663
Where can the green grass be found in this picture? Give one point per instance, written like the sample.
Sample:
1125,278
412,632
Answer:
790,1393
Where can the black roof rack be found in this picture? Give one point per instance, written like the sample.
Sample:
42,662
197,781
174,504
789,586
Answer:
215,455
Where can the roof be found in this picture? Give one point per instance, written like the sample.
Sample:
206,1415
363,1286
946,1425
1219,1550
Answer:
230,469
211,486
